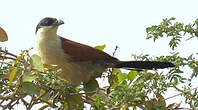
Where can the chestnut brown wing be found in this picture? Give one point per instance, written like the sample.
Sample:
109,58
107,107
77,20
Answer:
81,52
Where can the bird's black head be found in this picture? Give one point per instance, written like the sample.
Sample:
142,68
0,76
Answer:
48,22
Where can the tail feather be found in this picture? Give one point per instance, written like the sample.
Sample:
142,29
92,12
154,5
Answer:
144,65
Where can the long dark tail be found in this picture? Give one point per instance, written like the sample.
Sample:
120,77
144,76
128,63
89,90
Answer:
143,65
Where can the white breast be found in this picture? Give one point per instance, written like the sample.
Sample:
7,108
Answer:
50,49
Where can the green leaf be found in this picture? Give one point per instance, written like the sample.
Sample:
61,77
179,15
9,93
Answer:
91,87
132,75
29,78
18,59
98,102
122,76
2,76
123,83
46,97
100,47
30,88
150,29
36,63
12,75
75,101
174,42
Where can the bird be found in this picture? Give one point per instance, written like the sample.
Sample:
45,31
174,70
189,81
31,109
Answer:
80,62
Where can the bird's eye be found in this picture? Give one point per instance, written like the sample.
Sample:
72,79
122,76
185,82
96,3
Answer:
48,22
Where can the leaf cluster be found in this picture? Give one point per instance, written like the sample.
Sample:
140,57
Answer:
173,30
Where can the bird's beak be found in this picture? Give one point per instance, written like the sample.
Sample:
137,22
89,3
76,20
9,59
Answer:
60,22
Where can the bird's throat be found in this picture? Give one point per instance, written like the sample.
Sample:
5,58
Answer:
48,46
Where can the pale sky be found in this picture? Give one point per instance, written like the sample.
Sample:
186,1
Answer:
97,22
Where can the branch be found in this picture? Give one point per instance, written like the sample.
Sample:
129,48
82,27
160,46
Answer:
8,53
186,91
116,48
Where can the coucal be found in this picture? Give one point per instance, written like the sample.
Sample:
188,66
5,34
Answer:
80,62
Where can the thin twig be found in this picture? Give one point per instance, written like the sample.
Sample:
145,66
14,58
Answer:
44,107
2,59
3,62
116,48
8,53
24,102
5,57
181,93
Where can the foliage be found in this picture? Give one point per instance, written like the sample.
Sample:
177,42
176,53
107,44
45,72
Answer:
175,30
25,80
